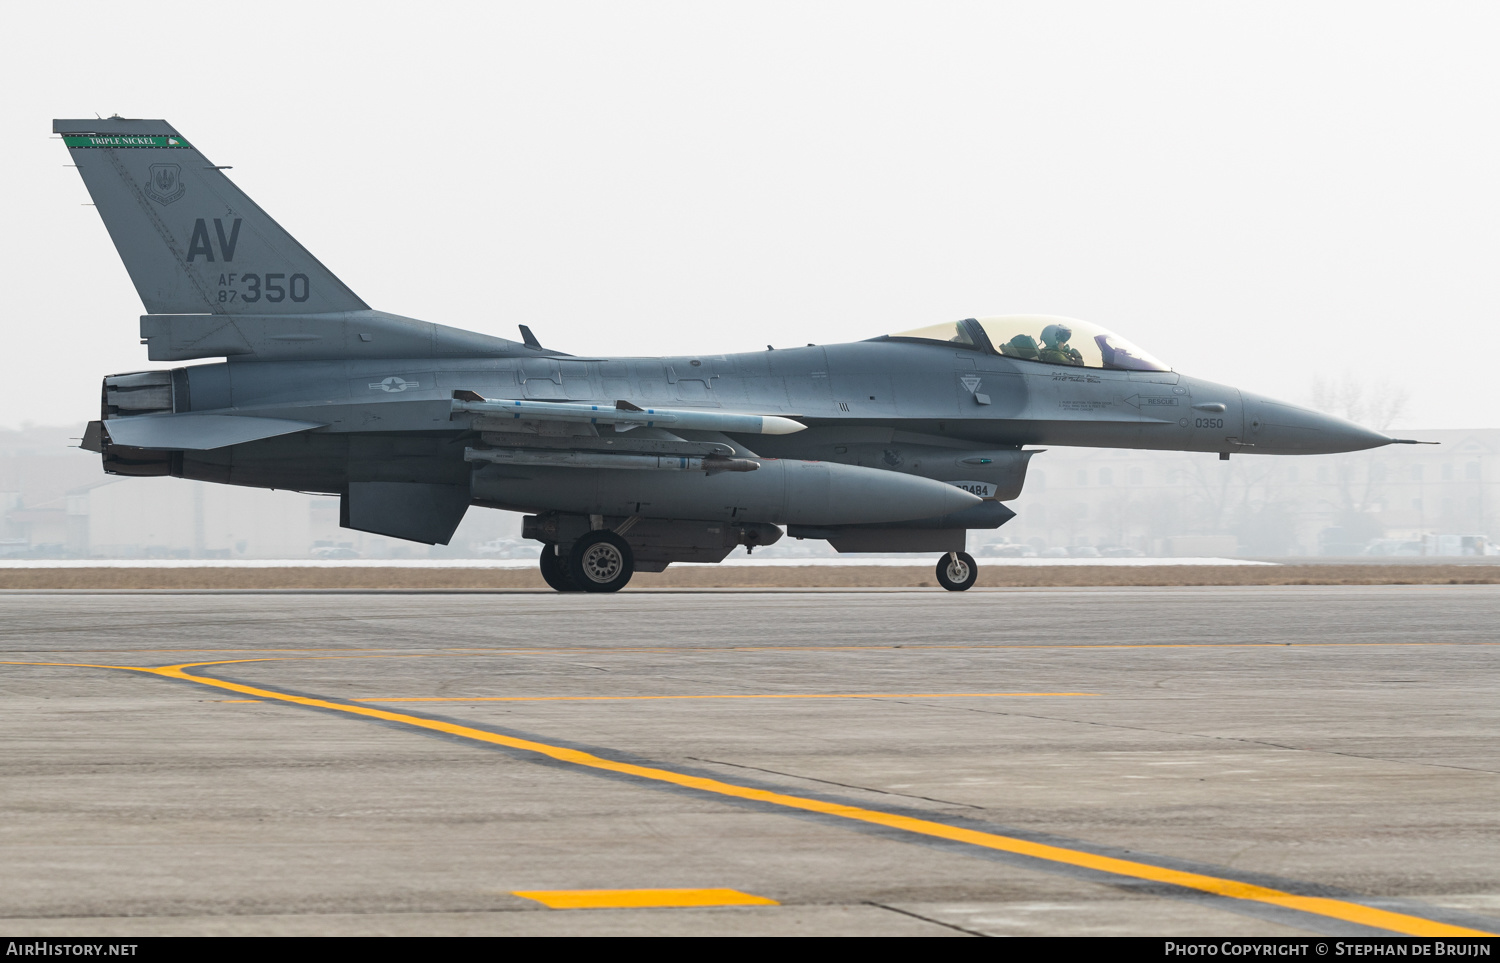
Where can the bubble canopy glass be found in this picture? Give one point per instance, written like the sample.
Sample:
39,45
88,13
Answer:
1039,337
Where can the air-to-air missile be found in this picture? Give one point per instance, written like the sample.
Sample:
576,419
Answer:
901,443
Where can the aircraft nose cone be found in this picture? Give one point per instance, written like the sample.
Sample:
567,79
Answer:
1278,428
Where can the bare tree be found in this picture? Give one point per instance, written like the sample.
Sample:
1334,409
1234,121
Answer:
1376,405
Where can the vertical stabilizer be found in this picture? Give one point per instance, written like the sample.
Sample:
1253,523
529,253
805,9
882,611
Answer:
192,241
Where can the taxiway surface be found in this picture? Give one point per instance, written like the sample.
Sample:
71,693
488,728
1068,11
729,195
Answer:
1149,761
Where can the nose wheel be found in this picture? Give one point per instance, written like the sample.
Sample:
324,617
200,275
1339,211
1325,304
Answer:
601,562
956,571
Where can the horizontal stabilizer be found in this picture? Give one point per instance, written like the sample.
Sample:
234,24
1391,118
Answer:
189,432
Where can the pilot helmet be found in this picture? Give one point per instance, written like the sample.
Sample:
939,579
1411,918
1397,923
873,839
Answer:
1056,334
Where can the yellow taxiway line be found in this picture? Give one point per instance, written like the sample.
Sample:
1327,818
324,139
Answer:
1344,910
769,695
635,898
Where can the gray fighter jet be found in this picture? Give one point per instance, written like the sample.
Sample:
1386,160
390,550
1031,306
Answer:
896,444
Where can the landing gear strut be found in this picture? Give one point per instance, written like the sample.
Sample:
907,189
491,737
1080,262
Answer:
601,561
956,571
555,570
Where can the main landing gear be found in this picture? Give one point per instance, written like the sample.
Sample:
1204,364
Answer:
956,571
555,570
600,561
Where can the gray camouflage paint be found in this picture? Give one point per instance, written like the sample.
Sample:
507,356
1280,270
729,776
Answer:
220,278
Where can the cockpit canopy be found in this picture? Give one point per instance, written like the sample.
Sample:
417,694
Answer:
1038,337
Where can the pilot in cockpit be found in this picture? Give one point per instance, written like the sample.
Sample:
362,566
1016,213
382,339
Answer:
1053,342
1055,347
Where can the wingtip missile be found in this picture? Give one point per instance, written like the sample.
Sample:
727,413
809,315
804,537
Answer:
776,425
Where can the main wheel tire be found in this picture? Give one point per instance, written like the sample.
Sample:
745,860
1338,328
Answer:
956,571
601,562
555,570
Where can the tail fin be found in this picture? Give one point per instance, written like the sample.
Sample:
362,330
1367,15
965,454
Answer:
192,241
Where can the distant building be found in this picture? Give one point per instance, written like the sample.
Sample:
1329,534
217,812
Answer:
55,501
1401,498
38,471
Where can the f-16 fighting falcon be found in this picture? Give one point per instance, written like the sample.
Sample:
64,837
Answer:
901,443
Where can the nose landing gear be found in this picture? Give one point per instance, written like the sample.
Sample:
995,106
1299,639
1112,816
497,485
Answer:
957,571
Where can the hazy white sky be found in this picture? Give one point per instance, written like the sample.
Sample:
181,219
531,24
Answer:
1258,193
